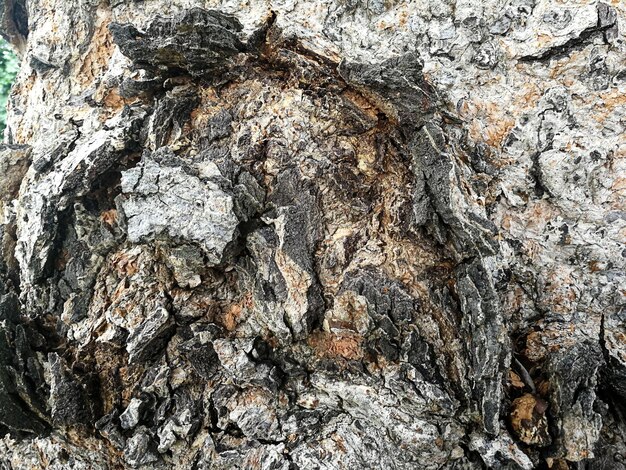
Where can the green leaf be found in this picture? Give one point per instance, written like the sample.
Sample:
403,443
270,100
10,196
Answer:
9,66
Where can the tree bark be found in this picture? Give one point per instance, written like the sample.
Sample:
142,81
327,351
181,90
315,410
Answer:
336,234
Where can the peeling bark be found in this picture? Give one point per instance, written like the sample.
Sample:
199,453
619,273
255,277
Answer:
313,235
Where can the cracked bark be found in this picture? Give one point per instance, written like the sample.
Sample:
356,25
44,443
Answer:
313,235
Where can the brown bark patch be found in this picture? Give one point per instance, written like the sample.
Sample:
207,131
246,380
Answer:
345,345
528,420
98,57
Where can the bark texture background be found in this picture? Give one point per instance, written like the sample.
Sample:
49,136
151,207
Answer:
336,234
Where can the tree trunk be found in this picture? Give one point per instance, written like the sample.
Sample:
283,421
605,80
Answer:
335,234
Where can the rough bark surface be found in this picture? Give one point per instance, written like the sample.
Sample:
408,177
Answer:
336,234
